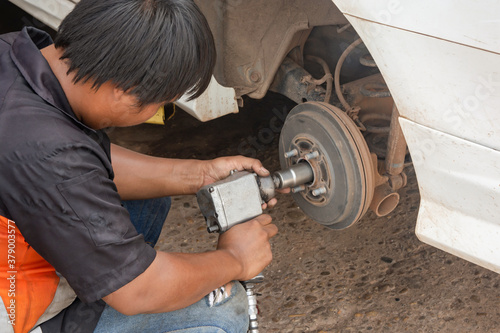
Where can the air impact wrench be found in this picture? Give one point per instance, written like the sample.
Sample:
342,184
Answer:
238,199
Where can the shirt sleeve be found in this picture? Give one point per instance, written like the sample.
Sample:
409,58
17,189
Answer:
68,209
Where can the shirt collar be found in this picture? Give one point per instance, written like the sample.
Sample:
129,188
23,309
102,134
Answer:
29,60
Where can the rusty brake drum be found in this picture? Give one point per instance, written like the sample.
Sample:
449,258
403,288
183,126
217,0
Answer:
326,138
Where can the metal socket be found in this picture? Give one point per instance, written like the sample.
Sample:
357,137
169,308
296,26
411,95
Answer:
296,175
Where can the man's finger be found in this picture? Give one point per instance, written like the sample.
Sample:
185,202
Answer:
251,164
272,203
271,230
259,169
255,165
264,219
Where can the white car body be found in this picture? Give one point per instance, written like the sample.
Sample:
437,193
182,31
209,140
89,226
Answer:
441,62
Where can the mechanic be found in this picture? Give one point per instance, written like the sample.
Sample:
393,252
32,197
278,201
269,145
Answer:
79,216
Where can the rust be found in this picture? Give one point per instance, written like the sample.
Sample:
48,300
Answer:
338,69
390,177
396,147
328,76
385,200
343,168
255,76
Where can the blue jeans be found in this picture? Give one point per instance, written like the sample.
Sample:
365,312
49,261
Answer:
228,316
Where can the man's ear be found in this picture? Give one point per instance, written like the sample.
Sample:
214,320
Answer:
123,98
118,94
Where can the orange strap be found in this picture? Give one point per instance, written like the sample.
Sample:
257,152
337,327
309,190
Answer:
27,282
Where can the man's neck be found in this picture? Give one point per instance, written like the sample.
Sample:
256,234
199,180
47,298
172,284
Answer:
60,69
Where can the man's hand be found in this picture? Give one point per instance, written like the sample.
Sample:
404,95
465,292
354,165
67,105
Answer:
176,280
221,168
249,244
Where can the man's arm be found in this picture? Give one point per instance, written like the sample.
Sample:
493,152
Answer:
175,280
139,176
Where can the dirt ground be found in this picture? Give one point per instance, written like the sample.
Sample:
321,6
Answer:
373,277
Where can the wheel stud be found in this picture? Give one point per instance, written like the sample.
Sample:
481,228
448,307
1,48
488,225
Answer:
291,153
298,189
319,191
311,156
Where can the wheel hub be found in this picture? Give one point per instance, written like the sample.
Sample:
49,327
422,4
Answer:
327,139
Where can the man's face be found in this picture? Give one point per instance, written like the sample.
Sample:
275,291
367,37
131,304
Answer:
130,114
110,107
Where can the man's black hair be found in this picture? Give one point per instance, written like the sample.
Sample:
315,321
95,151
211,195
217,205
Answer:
156,50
